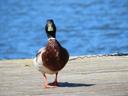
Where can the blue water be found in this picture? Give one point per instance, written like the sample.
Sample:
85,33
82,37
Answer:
85,27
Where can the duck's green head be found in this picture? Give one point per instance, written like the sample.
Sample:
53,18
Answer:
50,28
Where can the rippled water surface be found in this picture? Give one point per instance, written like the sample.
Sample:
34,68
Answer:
85,27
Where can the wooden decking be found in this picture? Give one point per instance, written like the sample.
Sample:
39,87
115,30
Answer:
85,76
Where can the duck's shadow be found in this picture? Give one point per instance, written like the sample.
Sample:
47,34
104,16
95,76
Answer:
67,84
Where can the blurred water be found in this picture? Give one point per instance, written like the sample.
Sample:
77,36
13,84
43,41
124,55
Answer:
85,27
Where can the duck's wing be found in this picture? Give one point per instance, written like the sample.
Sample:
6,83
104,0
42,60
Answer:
38,63
41,50
38,57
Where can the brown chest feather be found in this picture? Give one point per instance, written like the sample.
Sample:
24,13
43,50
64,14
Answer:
55,57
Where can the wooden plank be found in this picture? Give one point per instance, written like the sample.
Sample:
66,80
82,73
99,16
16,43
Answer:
90,76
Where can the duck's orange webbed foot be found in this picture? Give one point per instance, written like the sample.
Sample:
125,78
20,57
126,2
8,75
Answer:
55,83
49,86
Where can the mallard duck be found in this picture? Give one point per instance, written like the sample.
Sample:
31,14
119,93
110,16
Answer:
52,58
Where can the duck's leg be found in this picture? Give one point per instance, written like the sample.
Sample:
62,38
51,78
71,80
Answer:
46,85
55,83
56,80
